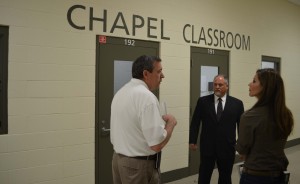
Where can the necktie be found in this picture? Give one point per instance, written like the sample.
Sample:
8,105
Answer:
219,109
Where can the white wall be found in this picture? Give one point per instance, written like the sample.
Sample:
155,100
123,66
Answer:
51,93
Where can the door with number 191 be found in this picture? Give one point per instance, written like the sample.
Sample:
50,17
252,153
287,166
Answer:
206,63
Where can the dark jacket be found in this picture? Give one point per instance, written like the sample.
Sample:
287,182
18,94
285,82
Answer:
217,138
263,151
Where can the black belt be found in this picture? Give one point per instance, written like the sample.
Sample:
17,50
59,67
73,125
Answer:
156,157
262,173
150,157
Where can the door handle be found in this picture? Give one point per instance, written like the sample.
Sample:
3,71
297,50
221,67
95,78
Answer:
105,129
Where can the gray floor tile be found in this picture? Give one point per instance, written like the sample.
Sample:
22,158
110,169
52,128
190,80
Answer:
293,154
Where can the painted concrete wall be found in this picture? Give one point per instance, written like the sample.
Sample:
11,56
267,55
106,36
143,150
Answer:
51,87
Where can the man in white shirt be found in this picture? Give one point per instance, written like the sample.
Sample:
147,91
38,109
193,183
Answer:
138,130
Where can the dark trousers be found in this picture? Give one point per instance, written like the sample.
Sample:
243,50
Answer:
207,165
250,179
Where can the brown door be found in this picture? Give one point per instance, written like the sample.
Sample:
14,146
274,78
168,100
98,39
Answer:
114,57
205,64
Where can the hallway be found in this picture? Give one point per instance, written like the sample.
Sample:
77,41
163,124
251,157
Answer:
292,153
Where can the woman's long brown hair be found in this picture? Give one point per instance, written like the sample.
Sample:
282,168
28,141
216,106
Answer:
273,96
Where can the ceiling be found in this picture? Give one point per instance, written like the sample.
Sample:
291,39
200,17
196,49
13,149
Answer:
297,2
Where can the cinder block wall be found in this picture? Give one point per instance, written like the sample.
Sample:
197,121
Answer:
51,85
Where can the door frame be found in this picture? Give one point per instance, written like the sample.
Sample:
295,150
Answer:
130,42
210,52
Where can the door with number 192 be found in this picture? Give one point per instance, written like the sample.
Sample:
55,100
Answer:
114,58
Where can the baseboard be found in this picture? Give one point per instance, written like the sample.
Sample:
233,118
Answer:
292,143
175,175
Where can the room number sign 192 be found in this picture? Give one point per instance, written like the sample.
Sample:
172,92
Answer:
129,42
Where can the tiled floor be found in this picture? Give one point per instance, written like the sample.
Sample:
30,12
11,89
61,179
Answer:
293,154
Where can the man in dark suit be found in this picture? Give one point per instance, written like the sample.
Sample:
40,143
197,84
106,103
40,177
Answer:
219,114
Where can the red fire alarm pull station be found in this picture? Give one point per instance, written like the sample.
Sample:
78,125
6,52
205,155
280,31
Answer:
102,39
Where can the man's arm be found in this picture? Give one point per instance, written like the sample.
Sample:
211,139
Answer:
241,111
169,127
194,127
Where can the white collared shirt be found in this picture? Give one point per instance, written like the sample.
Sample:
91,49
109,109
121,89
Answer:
136,123
217,101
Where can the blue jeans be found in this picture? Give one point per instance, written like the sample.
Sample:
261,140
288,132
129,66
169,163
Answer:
251,179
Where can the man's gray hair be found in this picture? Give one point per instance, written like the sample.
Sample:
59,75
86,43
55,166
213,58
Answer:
222,75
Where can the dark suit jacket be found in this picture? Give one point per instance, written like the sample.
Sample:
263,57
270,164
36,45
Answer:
216,138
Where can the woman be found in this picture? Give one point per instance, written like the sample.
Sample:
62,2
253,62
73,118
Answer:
264,130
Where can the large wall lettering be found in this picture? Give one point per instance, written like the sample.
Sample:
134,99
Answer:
155,28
